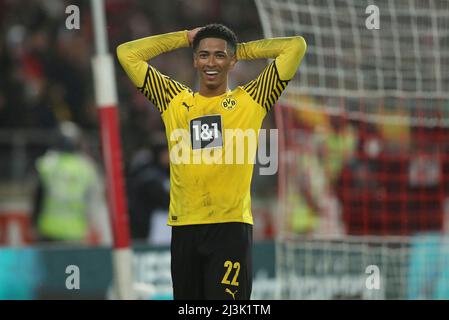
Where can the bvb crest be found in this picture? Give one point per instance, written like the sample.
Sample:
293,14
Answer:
229,103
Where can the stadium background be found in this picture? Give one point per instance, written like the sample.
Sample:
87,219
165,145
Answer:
46,77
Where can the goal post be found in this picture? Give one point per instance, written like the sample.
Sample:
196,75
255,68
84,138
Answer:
364,149
106,100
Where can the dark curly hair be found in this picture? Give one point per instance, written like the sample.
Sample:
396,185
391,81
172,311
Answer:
216,30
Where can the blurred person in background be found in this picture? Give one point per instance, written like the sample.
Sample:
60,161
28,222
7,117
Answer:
68,204
149,195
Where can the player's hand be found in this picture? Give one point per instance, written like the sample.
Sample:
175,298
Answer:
191,34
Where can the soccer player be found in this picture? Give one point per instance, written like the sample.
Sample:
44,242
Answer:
210,205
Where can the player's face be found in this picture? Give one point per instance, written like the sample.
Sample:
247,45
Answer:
214,60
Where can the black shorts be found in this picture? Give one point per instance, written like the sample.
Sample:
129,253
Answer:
212,261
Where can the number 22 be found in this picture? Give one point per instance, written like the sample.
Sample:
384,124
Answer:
228,264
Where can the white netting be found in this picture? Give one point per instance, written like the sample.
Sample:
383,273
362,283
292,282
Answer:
364,268
407,57
400,66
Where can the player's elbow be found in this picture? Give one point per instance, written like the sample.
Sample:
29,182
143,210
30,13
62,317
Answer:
299,46
292,58
121,52
298,49
125,54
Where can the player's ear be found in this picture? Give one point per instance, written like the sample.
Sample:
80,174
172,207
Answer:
195,58
233,60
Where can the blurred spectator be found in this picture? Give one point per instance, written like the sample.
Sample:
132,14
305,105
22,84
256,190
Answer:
339,143
149,195
68,200
361,189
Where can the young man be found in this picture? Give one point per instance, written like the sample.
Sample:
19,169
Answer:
210,206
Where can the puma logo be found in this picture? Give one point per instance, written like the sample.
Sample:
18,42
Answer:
186,105
231,293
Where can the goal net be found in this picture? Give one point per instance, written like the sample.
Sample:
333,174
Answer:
364,149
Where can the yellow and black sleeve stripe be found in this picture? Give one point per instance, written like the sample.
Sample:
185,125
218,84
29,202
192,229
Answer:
267,87
160,89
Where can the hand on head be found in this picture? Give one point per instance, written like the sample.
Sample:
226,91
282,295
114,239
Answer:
192,33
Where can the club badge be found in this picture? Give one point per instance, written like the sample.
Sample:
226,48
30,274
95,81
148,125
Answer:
229,103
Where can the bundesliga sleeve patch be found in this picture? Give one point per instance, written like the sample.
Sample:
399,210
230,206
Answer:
206,132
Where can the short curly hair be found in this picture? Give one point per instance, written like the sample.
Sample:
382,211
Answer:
216,30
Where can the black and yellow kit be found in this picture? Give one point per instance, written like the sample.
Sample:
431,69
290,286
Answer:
201,192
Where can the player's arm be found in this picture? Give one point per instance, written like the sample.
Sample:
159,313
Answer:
287,54
133,57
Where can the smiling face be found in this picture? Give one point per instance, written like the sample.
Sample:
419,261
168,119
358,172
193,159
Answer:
213,60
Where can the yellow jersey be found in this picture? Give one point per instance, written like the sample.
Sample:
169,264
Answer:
212,140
